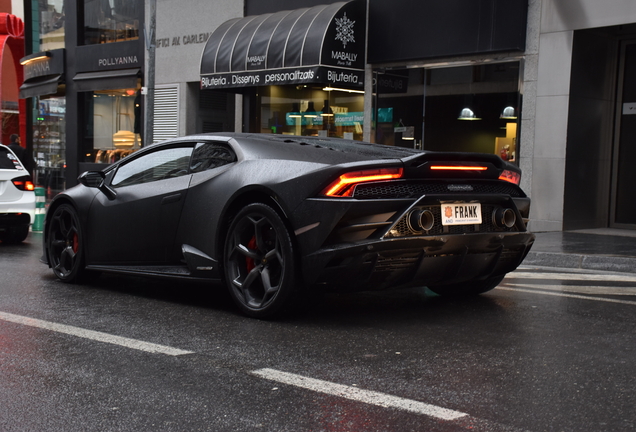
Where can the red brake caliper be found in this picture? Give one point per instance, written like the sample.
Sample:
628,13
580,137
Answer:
75,242
249,262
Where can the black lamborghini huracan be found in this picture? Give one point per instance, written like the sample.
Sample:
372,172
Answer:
277,216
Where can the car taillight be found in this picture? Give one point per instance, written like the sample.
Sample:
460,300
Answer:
345,184
23,183
510,176
458,168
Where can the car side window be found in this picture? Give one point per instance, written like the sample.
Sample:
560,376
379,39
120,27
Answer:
8,160
158,165
210,155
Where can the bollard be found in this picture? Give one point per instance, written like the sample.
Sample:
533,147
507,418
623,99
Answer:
38,223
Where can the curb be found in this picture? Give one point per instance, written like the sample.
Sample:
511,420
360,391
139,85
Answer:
580,261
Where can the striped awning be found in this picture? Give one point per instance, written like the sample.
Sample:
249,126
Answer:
322,44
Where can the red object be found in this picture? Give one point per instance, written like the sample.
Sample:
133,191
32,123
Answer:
343,186
458,168
504,154
12,39
23,184
249,262
510,176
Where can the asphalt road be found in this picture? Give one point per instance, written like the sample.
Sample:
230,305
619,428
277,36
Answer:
549,350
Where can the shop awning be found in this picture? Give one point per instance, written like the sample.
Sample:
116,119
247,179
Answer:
40,86
322,44
107,79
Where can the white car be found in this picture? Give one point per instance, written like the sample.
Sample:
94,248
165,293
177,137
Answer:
17,198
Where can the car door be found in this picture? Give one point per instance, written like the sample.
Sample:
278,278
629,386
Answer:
137,226
207,195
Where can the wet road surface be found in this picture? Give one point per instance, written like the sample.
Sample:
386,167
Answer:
548,350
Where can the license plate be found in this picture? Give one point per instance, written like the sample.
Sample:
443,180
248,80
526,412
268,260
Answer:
461,214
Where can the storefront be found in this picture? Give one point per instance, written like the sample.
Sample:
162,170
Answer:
44,88
447,76
108,85
467,108
301,72
83,86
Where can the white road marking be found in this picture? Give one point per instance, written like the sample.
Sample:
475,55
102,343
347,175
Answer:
561,294
578,289
93,335
510,284
360,395
573,276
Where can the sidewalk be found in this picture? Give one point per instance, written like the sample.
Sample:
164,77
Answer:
598,249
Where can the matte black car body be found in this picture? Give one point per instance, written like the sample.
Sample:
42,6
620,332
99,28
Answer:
178,226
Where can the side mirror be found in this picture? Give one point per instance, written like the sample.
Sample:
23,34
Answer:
96,179
92,179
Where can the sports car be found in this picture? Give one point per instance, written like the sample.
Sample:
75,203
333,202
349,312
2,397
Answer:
276,217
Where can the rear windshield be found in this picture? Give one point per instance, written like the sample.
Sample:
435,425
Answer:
8,160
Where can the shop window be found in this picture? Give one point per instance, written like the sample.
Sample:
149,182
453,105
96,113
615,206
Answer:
107,21
467,109
112,124
49,144
52,18
215,110
302,110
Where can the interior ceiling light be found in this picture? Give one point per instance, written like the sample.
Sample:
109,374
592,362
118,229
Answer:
343,90
467,114
34,57
326,110
508,113
124,138
409,133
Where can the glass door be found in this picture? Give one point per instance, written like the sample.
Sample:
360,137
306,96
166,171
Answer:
623,210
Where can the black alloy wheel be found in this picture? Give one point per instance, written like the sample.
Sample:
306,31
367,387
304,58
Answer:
469,288
259,261
65,244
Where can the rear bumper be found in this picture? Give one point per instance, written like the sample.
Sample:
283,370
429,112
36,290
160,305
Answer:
18,213
10,220
415,261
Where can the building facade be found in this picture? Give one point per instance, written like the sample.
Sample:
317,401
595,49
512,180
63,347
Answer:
541,83
578,121
83,71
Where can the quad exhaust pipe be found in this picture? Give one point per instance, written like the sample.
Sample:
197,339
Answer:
504,217
420,220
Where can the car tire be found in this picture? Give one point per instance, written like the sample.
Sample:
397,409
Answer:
65,244
259,262
16,235
469,288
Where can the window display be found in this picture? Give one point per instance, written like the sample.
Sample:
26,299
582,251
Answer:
302,110
49,144
112,124
465,108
